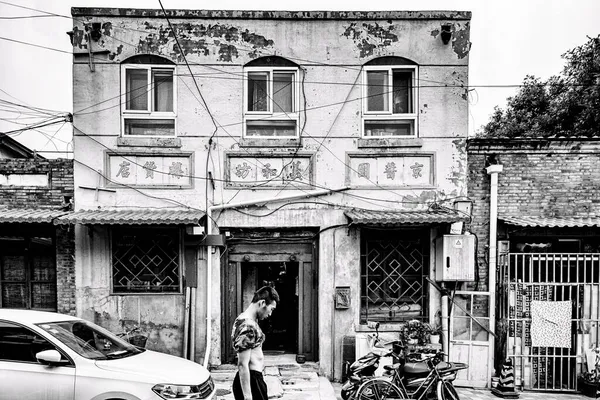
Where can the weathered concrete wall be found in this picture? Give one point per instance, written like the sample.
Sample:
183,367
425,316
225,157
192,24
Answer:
330,49
160,317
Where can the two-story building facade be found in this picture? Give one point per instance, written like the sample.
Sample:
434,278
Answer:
219,151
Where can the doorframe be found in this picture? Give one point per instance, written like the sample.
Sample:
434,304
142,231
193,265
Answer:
232,286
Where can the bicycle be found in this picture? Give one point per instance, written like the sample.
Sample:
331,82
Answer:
137,340
426,379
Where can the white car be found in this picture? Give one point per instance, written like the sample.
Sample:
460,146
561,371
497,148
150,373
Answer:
47,355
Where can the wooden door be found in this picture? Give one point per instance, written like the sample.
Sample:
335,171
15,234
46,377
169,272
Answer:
308,311
469,341
233,288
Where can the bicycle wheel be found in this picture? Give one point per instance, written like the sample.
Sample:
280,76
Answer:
379,389
446,391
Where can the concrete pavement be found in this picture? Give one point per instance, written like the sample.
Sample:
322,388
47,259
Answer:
285,379
485,394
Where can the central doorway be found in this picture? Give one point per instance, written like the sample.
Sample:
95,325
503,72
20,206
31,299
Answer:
286,260
281,329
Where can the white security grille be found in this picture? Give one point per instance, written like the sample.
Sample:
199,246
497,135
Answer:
146,260
393,280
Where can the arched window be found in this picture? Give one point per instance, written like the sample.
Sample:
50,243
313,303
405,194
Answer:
271,98
148,96
390,98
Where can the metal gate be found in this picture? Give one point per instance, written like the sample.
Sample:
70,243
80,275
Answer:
524,277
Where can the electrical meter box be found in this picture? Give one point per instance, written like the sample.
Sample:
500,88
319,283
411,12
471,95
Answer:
455,258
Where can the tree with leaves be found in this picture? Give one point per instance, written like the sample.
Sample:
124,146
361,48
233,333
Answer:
565,105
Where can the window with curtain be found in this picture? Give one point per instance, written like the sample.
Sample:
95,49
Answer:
389,106
149,100
271,102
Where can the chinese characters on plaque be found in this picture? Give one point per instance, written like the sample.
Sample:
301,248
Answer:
390,171
268,171
143,170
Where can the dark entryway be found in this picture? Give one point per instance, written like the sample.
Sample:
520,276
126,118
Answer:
27,269
281,328
286,260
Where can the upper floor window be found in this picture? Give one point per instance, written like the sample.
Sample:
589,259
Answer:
390,98
271,98
148,96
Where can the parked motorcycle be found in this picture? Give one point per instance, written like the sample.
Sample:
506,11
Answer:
364,368
427,379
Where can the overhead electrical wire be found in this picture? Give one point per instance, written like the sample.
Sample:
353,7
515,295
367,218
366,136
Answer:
357,67
317,186
206,107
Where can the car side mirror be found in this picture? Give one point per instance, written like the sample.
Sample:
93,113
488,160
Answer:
51,357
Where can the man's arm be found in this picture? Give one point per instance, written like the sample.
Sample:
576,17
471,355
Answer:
244,370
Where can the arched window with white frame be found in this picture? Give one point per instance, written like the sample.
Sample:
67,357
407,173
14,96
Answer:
271,98
148,96
390,98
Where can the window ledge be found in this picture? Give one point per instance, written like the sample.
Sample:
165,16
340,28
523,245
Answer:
265,142
149,142
391,326
390,142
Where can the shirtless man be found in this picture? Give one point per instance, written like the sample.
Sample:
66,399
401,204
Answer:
247,339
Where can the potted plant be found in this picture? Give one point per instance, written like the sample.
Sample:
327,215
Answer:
589,383
415,332
435,332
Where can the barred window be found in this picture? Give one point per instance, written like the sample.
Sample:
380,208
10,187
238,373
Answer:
146,260
393,270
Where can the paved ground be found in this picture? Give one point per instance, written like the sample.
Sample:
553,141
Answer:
484,394
285,379
288,380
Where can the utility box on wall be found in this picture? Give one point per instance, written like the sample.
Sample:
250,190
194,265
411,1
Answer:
455,258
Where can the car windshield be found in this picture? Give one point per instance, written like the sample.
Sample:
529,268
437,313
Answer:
90,340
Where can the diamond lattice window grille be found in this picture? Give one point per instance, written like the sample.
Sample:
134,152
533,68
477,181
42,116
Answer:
146,260
393,280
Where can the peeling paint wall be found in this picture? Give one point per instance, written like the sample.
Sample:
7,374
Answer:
330,50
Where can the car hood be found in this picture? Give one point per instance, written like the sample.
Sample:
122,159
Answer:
155,367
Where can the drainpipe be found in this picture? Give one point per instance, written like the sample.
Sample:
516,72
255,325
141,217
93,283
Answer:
493,171
209,230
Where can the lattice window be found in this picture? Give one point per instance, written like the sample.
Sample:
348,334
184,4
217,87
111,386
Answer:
146,260
393,285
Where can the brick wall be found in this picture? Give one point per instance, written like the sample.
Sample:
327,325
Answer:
549,177
65,270
60,173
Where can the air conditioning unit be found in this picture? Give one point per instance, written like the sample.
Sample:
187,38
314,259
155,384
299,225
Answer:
455,258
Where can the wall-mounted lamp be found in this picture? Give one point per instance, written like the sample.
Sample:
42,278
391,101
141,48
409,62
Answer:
446,33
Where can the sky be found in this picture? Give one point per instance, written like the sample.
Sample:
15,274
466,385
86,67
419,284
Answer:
510,39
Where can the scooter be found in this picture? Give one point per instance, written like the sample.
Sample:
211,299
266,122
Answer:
410,377
365,367
426,379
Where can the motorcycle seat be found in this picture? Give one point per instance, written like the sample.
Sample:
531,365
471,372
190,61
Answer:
416,368
421,367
